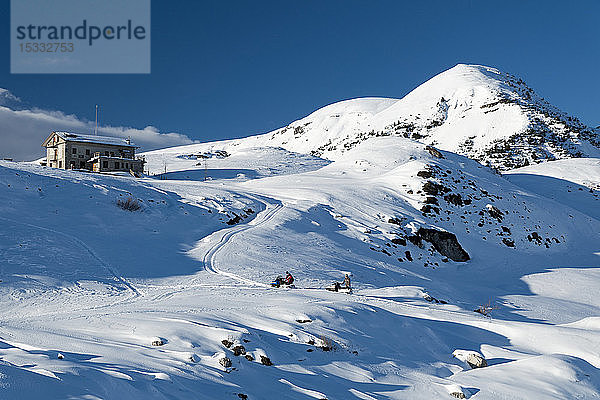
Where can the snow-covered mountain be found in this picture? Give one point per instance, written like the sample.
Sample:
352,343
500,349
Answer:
158,287
477,111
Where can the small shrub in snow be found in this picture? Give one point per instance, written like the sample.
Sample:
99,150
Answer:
60,356
249,357
158,342
129,204
328,344
485,309
227,343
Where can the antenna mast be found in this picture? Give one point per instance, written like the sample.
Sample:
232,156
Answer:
96,128
205,170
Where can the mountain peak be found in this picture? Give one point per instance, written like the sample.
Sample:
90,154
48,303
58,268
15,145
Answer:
474,110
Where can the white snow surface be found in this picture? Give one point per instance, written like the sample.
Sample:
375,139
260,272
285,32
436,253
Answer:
581,171
97,284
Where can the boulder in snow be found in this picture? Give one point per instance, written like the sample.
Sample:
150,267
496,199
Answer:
445,243
239,350
434,152
225,362
494,212
472,358
456,391
264,360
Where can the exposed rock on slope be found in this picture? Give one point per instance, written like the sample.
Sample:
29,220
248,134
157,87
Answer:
444,242
472,358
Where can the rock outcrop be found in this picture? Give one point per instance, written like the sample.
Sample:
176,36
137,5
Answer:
445,243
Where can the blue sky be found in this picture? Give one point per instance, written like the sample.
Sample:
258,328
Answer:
225,69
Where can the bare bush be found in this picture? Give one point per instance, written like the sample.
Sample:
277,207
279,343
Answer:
486,309
328,344
129,204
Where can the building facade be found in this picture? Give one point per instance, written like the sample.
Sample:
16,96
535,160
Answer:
93,153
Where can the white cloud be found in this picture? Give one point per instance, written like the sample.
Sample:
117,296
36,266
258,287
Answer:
23,130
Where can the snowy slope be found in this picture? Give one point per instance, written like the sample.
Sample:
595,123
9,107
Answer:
98,284
581,171
199,162
477,111
574,182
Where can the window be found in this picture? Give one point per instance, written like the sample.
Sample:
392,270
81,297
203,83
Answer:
74,150
104,164
126,165
87,152
60,164
106,153
112,153
116,165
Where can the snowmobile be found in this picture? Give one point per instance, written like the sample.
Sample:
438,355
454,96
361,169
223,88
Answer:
280,281
337,287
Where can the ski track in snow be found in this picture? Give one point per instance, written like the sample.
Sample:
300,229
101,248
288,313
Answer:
222,238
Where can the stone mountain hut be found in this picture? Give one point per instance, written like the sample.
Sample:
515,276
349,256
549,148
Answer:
93,153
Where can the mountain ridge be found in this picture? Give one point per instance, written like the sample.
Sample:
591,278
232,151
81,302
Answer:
476,111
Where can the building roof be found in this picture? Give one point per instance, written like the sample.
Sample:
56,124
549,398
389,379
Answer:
76,137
